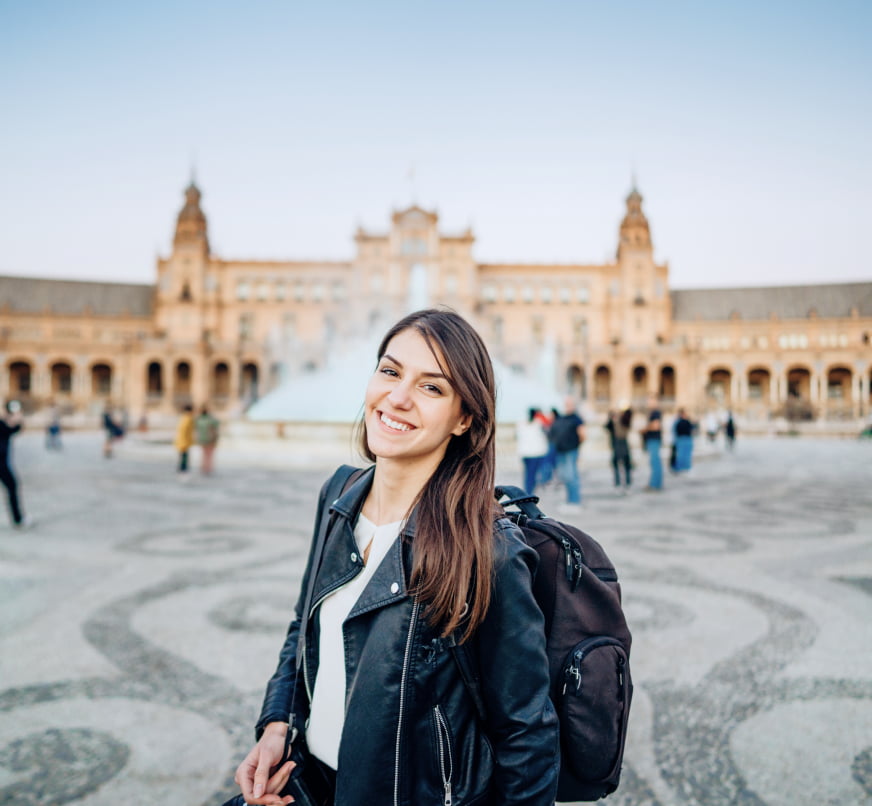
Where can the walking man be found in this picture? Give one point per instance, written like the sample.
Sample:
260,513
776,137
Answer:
11,424
567,434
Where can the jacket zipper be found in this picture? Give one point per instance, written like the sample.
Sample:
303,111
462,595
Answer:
444,739
406,658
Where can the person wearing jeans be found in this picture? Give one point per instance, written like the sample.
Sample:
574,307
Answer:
567,434
567,472
653,436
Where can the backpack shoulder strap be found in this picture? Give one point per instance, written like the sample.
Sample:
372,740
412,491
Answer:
341,480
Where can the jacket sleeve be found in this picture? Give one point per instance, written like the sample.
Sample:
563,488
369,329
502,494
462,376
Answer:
521,722
279,698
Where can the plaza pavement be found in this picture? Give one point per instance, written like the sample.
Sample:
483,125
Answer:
141,618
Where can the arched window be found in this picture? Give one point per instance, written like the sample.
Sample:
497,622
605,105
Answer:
666,388
19,378
61,378
101,380
248,389
639,390
602,384
154,381
221,381
182,384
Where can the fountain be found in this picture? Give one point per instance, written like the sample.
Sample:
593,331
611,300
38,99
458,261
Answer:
316,410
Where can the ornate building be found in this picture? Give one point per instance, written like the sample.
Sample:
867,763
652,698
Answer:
227,331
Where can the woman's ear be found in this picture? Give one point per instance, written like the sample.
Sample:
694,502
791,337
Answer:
463,425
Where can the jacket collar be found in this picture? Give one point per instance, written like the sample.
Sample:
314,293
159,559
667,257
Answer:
388,583
351,501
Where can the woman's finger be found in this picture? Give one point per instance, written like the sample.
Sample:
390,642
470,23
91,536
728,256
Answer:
280,777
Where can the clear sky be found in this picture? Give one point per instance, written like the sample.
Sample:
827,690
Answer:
748,126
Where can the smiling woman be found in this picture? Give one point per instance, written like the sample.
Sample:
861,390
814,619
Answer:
410,557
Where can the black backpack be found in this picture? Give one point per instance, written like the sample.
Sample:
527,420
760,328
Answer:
588,646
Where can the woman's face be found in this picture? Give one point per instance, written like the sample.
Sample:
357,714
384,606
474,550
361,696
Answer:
411,409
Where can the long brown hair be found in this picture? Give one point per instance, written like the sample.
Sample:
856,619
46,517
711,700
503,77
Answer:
453,552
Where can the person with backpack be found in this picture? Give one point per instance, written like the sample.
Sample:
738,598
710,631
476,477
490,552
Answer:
206,427
412,561
567,434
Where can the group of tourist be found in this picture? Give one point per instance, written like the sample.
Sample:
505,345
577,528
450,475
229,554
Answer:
549,446
201,430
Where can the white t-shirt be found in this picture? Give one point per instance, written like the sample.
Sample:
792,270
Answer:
327,714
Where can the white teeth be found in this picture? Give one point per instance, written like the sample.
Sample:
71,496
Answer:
394,424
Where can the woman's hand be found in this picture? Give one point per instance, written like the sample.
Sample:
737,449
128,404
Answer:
259,776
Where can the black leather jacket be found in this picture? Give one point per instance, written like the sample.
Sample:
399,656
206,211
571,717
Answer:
412,735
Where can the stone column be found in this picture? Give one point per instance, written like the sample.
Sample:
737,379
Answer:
4,377
861,371
775,381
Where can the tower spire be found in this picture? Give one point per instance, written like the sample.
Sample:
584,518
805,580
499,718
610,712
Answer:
191,229
634,233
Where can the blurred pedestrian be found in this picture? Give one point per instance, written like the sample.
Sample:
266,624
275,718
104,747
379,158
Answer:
567,434
10,424
207,428
730,430
113,430
683,439
532,448
53,429
618,426
185,436
548,471
712,426
652,437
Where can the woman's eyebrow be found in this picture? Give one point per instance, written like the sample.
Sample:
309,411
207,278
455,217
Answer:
393,360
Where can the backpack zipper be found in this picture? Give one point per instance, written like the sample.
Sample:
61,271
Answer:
444,739
572,672
403,677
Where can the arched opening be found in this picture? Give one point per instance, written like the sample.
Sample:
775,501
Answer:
839,403
759,384
101,380
719,390
20,378
154,387
248,388
666,388
759,392
639,386
220,383
798,403
182,385
61,379
575,382
602,385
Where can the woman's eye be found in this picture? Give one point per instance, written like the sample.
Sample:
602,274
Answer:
388,371
431,388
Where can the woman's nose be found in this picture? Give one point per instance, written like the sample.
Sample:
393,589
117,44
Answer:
400,396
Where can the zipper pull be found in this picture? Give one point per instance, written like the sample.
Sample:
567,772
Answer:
567,552
579,567
448,794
